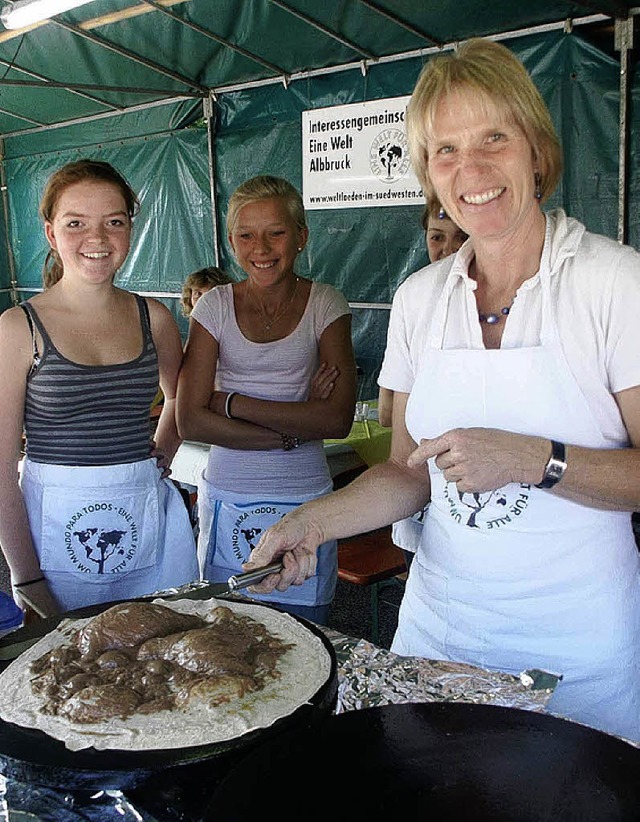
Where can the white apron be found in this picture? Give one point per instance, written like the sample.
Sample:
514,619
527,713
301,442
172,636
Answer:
107,532
519,578
230,527
407,533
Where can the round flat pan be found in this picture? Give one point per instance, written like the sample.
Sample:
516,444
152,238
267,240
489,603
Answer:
33,756
437,761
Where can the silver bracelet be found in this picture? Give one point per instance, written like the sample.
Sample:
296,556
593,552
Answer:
289,443
227,405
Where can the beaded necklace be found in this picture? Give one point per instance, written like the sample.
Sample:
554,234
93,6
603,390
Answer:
492,319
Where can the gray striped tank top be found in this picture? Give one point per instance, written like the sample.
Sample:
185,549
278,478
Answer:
89,414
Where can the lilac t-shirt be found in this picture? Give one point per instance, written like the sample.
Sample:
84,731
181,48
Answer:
280,370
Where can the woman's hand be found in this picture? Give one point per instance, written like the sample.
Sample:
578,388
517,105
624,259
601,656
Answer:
484,459
323,382
36,601
161,459
294,540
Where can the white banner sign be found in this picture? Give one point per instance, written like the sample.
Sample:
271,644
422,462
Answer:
357,156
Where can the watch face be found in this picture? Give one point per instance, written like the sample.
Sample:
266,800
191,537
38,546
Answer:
555,468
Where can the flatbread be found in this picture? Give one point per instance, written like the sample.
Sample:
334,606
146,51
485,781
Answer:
304,669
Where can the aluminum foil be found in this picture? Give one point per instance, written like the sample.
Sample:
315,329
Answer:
369,676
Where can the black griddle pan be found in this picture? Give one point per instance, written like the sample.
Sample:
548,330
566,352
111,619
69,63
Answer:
437,761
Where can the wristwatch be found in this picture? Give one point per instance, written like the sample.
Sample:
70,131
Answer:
555,468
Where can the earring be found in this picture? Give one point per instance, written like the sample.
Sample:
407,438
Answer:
538,194
299,248
442,213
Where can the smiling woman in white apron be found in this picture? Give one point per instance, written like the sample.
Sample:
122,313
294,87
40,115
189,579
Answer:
262,340
93,519
515,372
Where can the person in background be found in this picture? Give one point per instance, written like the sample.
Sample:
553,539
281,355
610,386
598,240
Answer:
442,238
92,519
198,283
516,378
262,340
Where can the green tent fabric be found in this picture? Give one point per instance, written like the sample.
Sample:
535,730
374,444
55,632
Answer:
160,141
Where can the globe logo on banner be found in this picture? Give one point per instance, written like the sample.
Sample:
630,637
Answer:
357,156
389,155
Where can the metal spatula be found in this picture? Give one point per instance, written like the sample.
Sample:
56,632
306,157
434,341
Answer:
238,581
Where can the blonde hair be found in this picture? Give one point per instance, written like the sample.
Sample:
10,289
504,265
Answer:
494,72
78,172
264,187
203,278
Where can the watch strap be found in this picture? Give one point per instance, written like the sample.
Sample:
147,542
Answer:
555,467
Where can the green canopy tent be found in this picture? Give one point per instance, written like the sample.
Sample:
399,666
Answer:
190,97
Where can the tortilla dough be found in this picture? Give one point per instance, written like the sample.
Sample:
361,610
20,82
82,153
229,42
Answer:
304,669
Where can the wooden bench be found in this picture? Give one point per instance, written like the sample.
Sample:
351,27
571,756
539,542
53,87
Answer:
370,560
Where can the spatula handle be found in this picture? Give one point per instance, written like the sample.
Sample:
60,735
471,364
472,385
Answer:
252,577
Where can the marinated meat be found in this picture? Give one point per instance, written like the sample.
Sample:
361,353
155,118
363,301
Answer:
203,651
99,702
115,667
215,691
130,624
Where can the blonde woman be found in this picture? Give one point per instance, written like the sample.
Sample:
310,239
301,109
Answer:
516,380
262,340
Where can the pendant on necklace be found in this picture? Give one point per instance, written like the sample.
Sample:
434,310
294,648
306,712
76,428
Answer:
492,319
269,323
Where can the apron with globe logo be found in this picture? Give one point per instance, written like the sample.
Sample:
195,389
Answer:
107,532
518,577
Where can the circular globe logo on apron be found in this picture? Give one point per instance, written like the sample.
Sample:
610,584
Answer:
491,510
101,538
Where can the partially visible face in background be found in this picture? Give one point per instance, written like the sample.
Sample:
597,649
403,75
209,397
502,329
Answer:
197,292
443,238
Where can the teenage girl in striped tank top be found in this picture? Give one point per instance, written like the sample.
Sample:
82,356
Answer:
91,519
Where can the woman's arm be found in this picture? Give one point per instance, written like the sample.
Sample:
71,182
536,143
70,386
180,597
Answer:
607,478
482,459
196,420
15,536
166,337
381,495
312,419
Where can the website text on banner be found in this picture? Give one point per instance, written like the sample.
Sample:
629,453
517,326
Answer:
357,156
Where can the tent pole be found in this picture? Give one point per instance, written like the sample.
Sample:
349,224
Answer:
5,208
623,44
208,104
